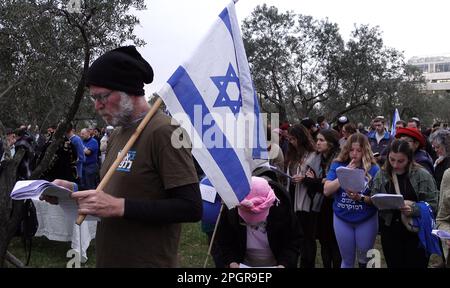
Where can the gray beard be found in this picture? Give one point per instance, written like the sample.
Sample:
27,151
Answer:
125,115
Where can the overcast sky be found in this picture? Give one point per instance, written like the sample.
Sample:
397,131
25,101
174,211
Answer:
173,28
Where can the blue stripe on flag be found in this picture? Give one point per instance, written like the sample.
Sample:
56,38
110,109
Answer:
260,150
225,16
226,158
205,181
226,20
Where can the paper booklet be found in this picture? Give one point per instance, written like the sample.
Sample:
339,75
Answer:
278,171
33,189
388,201
441,234
351,179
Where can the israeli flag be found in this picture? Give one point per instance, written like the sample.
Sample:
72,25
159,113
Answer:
394,120
212,97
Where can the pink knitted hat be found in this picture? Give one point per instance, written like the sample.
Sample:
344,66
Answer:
255,207
277,130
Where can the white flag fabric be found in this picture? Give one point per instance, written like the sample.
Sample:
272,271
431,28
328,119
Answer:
394,120
213,98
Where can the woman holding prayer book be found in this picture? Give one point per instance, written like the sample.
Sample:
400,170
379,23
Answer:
301,151
327,145
355,219
402,248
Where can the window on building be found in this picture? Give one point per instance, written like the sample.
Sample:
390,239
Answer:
442,67
422,67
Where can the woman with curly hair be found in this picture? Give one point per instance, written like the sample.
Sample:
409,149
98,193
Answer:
440,140
355,219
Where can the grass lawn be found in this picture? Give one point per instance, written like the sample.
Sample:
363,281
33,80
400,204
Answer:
193,249
52,254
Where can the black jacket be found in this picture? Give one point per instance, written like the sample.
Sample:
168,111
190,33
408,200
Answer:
283,232
439,171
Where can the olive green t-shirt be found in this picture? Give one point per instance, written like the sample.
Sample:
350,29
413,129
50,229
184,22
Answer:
151,166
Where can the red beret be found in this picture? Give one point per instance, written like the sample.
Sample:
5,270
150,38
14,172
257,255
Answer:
284,126
413,133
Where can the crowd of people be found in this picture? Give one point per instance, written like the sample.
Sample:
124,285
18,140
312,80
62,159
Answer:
78,158
156,187
346,223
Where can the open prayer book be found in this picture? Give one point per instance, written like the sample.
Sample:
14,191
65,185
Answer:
388,201
441,234
278,171
351,179
32,189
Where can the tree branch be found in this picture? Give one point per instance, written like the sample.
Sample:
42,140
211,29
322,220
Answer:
350,108
8,89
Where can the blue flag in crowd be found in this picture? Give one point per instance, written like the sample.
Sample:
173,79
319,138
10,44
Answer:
394,120
213,99
426,224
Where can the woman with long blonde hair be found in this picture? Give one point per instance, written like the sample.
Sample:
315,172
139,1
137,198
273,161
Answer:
355,219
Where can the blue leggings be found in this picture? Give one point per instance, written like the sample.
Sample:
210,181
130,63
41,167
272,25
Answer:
355,237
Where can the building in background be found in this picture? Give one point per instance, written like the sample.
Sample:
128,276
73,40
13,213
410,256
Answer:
436,70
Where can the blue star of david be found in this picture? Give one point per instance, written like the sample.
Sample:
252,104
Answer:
223,99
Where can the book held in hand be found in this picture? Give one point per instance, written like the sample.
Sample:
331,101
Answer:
33,189
388,201
441,234
351,179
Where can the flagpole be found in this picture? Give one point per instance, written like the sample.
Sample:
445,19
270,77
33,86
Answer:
124,152
213,236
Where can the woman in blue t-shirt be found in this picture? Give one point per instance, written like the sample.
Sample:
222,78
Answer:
355,219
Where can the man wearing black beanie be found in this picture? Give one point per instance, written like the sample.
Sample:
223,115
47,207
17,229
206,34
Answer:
155,188
121,69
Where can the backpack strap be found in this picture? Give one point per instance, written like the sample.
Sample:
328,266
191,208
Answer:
395,181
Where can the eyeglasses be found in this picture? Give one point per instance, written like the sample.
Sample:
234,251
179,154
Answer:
102,98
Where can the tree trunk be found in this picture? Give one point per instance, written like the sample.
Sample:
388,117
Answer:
10,210
62,128
283,113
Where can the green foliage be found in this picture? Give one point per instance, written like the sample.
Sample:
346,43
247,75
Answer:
302,67
45,49
440,103
45,53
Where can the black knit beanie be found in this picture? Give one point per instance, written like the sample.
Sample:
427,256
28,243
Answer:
121,69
